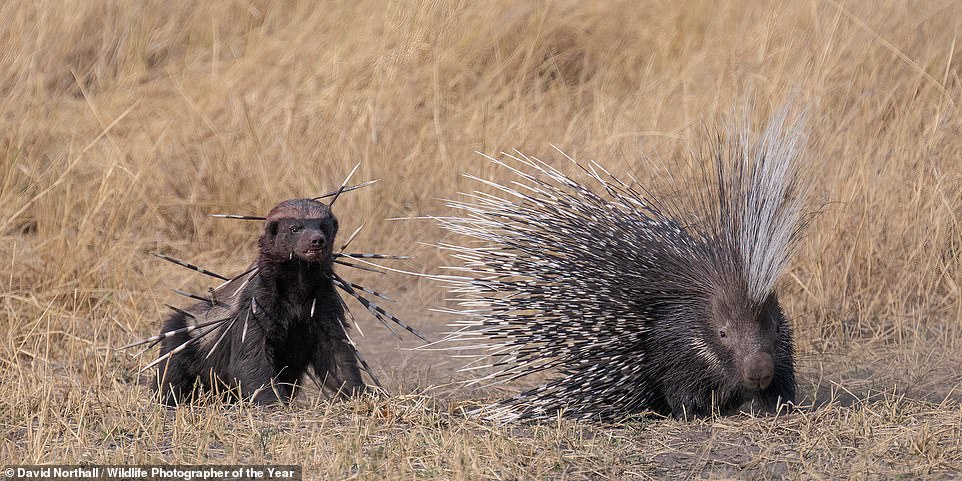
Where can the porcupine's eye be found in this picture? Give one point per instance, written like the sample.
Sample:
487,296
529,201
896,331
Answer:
721,333
295,229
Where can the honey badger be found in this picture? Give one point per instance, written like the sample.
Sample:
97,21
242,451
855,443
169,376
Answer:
280,319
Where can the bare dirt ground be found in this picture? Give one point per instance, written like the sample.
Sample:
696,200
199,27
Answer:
124,124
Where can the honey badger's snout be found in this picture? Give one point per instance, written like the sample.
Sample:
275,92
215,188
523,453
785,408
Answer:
758,369
313,245
315,239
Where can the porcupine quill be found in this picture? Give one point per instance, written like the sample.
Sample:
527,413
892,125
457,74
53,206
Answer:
631,307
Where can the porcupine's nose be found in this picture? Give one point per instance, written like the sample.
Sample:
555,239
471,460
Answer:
758,370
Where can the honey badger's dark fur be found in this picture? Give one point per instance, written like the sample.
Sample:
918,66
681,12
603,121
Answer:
281,319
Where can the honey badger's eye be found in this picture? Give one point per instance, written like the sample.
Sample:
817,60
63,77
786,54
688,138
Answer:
295,229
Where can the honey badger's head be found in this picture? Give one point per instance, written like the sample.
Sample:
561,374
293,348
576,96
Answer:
299,230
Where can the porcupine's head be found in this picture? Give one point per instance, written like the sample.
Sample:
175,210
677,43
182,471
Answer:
709,344
752,214
299,230
746,334
741,349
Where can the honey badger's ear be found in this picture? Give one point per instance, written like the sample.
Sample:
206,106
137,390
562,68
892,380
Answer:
271,228
334,223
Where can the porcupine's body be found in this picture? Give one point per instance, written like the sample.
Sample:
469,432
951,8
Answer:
635,303
273,323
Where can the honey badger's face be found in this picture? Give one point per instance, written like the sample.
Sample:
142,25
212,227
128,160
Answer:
749,336
300,229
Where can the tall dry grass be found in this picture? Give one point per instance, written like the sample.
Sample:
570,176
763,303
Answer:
122,125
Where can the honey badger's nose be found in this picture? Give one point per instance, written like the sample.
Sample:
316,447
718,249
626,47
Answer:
317,240
758,370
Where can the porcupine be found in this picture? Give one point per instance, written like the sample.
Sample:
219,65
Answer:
635,303
260,332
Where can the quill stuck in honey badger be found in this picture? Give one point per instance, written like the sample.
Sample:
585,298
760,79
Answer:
260,332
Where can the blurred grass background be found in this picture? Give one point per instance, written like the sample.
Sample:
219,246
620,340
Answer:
123,124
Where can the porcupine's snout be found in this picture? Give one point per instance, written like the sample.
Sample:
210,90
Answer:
757,371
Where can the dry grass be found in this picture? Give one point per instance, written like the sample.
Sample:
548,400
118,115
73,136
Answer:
123,124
